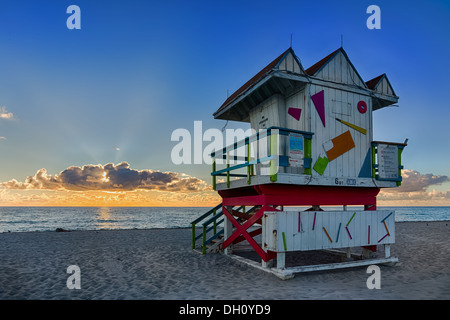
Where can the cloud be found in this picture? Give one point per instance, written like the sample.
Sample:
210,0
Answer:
108,177
4,114
2,138
415,190
414,181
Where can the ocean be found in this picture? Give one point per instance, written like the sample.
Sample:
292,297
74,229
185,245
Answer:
24,219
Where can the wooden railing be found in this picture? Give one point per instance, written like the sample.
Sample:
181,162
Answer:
387,161
215,212
210,224
270,150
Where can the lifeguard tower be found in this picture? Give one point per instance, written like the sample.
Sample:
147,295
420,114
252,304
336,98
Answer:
312,147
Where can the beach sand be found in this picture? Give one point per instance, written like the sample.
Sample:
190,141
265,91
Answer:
160,264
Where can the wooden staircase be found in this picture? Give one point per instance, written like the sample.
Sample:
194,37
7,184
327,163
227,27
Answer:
212,228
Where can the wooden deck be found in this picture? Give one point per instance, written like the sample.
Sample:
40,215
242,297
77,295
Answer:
303,179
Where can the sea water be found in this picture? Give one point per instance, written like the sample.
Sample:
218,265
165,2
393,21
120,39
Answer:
22,219
18,219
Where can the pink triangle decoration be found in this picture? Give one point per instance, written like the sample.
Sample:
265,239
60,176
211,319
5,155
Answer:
295,113
319,102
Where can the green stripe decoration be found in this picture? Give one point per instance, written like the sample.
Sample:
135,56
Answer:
249,171
373,161
399,150
284,241
308,154
273,151
350,219
214,177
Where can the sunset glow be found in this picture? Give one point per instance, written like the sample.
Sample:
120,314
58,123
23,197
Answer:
88,111
43,189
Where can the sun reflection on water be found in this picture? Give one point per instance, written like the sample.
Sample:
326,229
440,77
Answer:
105,220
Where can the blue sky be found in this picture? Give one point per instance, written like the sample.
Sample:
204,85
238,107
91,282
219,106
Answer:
137,70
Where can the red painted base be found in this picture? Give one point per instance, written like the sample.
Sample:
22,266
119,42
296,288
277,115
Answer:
295,195
271,195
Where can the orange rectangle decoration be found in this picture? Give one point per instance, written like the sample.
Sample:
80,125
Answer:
341,144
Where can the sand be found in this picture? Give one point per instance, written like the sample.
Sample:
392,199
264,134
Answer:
159,264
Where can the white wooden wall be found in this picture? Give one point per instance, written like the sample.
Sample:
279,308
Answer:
267,114
298,101
343,105
339,103
287,222
270,113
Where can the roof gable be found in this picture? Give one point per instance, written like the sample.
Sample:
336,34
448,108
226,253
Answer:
318,65
381,85
287,61
337,67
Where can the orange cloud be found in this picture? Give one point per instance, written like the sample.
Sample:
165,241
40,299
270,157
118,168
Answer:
108,177
119,185
415,191
108,185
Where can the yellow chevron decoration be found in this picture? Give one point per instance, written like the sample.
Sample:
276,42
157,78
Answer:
353,126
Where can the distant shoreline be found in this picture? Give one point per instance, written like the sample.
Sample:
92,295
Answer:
173,228
27,219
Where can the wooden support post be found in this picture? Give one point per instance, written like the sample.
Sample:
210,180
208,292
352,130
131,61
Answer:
249,169
204,240
274,152
228,230
268,264
214,177
193,236
242,233
281,260
399,183
373,162
214,223
387,250
228,172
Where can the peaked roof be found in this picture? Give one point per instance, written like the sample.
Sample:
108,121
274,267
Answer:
259,76
315,69
375,82
268,82
371,84
318,65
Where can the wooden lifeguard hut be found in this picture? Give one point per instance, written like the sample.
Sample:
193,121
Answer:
312,147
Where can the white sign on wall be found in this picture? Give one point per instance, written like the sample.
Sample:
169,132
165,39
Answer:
387,161
296,150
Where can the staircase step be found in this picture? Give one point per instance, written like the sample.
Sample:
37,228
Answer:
215,246
219,238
